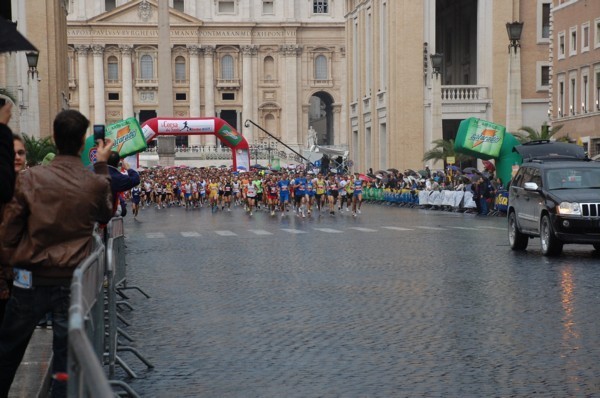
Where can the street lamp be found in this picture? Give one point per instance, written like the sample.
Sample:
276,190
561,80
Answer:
514,30
436,62
32,61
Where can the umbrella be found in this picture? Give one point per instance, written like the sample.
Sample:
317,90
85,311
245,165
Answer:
258,167
363,177
410,172
489,166
11,39
382,172
471,170
423,173
241,168
452,167
393,170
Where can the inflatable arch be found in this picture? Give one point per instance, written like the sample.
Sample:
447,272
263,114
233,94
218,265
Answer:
201,126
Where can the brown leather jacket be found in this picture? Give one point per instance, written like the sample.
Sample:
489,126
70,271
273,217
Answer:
47,227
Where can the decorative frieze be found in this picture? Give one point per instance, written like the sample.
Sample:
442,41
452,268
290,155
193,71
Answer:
291,50
193,49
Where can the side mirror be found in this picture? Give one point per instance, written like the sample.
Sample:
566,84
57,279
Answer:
531,186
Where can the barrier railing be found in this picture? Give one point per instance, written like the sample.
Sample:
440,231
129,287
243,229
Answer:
86,328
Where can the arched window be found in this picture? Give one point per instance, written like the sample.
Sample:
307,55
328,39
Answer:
180,68
227,67
269,68
147,67
113,68
321,68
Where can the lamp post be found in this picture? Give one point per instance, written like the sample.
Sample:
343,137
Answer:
32,61
514,114
514,30
436,63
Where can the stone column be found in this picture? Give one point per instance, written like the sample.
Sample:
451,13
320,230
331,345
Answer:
99,104
290,133
166,150
127,80
84,80
436,112
194,51
248,53
514,114
165,74
209,89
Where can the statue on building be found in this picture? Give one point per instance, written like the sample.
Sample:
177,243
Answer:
312,137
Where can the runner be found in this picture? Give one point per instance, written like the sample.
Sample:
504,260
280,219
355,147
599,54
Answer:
284,193
213,194
227,192
332,194
271,189
136,193
320,191
357,197
310,192
250,196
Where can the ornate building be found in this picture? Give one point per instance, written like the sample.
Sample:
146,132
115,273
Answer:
399,102
37,97
575,55
278,63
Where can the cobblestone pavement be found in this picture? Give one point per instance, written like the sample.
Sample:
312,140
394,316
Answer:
394,303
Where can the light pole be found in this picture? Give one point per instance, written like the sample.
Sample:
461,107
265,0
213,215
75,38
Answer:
514,114
34,102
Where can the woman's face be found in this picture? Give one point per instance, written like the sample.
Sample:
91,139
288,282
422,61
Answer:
20,155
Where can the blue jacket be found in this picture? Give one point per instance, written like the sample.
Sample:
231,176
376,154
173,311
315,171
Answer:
122,182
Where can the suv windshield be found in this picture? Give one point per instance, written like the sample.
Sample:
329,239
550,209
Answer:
573,178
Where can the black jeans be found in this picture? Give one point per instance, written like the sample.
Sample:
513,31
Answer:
24,310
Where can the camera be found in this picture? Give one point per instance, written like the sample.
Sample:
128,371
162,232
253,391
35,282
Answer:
2,102
99,132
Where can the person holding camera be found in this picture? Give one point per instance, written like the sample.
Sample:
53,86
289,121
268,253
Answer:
47,231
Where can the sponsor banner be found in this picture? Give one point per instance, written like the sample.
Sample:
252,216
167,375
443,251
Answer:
127,136
502,201
186,126
480,138
228,134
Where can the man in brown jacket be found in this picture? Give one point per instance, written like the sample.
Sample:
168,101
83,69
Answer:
46,232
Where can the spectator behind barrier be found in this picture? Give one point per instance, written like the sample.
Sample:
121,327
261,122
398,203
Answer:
120,182
46,233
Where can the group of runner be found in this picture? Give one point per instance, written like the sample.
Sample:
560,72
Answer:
301,192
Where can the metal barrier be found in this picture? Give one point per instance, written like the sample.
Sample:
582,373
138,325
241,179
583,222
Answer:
86,328
116,282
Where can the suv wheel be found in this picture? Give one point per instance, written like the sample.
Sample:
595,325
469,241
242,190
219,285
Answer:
597,246
517,240
550,245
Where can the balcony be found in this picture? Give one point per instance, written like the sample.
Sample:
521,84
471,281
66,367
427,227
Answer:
321,83
462,101
228,84
146,83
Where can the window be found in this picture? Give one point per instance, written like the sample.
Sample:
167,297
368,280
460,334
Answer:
543,21
227,68
228,97
585,91
113,96
543,76
226,7
597,90
572,96
561,96
147,67
573,41
109,5
585,37
597,35
320,6
269,68
180,69
112,69
180,96
321,68
561,45
268,8
178,5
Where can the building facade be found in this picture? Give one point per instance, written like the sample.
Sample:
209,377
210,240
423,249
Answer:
575,55
37,97
398,104
278,63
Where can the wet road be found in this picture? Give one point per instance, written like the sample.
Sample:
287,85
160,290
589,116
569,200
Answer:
394,303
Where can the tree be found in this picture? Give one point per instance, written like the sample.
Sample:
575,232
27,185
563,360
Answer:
37,149
530,134
443,149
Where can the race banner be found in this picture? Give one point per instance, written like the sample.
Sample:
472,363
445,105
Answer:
127,136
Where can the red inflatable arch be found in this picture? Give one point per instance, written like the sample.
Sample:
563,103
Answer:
201,126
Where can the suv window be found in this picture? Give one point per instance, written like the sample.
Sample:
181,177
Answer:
573,178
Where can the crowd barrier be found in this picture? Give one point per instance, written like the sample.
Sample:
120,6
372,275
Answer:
98,283
456,200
